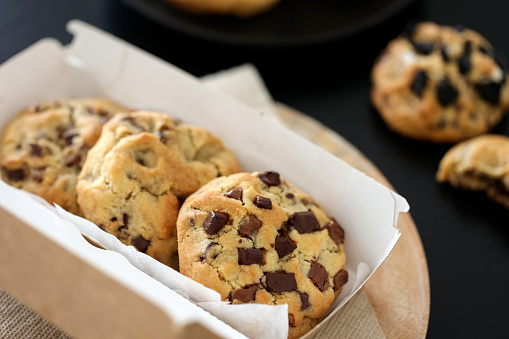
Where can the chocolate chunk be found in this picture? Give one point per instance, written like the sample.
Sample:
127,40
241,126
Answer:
318,275
304,222
443,53
424,48
464,64
284,245
247,293
113,219
270,178
304,300
160,133
211,244
214,222
419,83
134,122
125,218
250,256
262,202
35,150
14,175
73,160
234,193
485,50
140,243
490,91
281,281
336,232
68,137
249,226
290,196
446,93
340,279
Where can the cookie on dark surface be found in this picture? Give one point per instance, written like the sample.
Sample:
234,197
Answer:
44,147
256,238
479,164
440,84
138,171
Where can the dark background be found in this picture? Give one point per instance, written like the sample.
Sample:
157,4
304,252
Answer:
466,237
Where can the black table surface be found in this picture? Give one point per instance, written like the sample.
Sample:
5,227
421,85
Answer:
465,236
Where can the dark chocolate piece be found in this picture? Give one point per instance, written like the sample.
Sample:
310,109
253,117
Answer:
250,256
340,279
290,196
234,193
14,174
249,226
141,243
262,202
424,48
73,160
133,122
281,281
270,178
490,91
35,150
318,275
214,222
284,245
446,93
211,244
336,232
304,222
419,83
464,62
247,293
304,300
125,218
160,133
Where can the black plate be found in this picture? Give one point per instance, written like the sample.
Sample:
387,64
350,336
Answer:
290,23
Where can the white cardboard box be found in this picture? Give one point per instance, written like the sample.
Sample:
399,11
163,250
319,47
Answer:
97,64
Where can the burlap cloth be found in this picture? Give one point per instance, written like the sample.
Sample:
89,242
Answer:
356,319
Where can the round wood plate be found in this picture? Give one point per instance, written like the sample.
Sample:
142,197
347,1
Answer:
399,290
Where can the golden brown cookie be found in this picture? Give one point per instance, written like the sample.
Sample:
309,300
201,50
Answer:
43,148
479,164
256,238
137,172
239,8
440,84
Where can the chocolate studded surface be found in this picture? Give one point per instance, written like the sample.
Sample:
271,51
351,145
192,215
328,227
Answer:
440,84
141,167
44,147
289,253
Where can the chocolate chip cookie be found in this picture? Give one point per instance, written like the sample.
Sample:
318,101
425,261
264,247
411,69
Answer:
479,164
255,238
43,148
135,175
440,84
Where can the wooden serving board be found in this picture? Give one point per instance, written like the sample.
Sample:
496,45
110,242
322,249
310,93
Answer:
399,290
